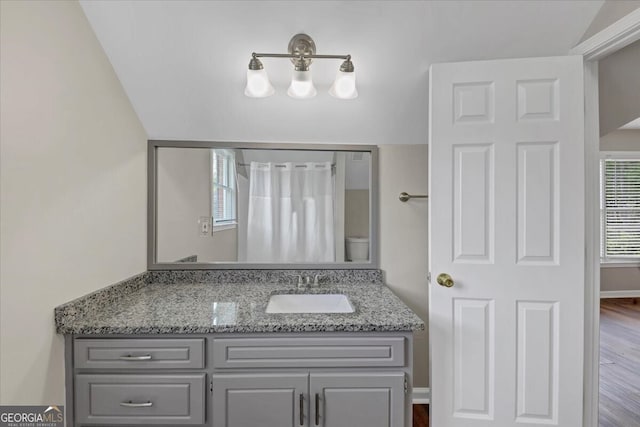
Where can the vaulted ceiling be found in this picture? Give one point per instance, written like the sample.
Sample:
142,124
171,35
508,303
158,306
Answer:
183,63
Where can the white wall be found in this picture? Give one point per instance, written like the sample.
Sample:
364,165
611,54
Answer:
619,80
610,12
403,237
357,171
620,278
72,186
184,195
619,88
621,140
356,213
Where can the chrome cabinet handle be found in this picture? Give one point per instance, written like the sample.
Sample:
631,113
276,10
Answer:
130,357
301,409
317,409
131,404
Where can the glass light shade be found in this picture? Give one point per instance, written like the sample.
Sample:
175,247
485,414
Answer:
302,85
258,84
344,87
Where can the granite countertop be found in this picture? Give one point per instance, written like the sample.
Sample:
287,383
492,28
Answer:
154,303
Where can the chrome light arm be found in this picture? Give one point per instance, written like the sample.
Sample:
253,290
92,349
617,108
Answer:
302,50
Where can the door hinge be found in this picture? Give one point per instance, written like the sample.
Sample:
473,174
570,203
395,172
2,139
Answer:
211,386
406,385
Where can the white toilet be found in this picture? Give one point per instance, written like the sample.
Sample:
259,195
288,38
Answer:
358,249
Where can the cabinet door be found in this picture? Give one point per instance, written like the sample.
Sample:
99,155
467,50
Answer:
265,400
357,400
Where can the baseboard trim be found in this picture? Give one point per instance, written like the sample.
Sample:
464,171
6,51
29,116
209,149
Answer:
620,294
421,396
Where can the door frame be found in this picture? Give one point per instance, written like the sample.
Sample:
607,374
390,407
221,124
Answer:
611,39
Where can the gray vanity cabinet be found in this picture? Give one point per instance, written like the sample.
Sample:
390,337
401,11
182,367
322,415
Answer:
265,400
327,379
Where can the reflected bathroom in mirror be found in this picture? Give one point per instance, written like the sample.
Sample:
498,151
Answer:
261,205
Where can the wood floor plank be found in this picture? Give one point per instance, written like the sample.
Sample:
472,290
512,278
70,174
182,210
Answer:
620,362
420,415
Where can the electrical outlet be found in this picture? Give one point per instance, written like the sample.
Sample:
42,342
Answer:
204,226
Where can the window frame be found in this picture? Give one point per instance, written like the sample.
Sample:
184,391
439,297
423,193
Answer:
612,261
225,224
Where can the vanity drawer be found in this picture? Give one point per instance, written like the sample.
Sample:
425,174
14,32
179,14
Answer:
141,353
140,399
308,352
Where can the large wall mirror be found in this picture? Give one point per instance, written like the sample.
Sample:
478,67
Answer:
217,205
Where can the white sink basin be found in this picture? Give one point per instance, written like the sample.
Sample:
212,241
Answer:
309,303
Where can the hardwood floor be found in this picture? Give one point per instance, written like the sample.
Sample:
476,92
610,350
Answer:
420,415
619,362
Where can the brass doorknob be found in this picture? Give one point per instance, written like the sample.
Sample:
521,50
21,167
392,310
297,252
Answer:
445,280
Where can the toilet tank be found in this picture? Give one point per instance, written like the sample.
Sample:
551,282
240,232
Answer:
357,249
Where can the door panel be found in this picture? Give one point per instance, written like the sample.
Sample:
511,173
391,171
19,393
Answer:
474,358
372,407
473,203
538,203
357,400
537,397
266,400
506,218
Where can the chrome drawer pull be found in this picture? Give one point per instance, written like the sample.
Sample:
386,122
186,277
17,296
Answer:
317,409
131,404
130,357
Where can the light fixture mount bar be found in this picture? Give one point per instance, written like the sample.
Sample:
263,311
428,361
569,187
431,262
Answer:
302,50
274,55
290,55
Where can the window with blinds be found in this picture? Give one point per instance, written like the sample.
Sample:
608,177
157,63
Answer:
620,208
223,200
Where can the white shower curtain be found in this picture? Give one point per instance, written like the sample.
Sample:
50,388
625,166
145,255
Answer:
290,213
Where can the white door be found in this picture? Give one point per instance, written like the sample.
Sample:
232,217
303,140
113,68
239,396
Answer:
506,161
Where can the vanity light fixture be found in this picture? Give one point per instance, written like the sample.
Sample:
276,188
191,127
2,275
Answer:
302,50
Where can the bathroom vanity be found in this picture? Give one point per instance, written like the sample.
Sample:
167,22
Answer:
198,348
241,339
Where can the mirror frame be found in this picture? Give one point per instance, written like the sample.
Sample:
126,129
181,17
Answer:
152,205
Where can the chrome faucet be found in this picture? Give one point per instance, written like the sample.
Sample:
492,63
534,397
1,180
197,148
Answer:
303,281
306,280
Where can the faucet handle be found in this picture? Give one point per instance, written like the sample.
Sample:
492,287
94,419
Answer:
316,279
300,280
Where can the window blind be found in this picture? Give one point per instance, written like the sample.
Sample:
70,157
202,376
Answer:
224,193
621,208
